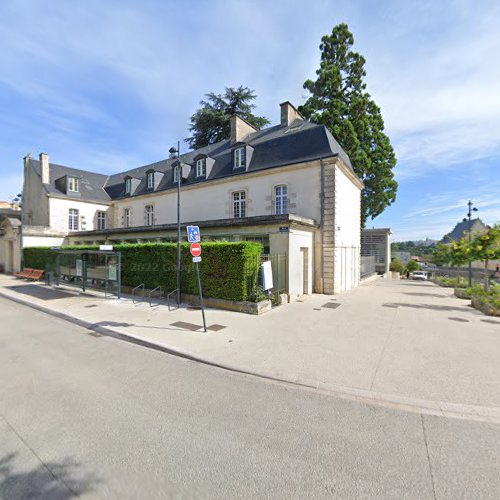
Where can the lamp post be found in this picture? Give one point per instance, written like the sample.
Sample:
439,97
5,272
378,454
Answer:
175,153
469,215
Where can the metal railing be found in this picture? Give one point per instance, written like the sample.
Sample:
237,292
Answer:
279,264
138,287
367,266
169,302
151,293
461,274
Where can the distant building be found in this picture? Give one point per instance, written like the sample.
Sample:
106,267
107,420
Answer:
462,229
404,257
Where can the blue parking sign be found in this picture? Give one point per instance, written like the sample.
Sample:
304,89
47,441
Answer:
193,234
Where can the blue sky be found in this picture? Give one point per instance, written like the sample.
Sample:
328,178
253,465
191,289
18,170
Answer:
109,85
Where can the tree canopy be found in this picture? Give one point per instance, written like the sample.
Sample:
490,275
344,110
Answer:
339,100
211,122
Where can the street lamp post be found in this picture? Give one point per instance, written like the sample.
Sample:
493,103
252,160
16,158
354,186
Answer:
469,215
175,152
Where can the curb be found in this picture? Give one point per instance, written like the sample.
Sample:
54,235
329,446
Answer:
402,403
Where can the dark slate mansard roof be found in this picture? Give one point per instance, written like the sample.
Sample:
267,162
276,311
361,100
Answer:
90,184
272,147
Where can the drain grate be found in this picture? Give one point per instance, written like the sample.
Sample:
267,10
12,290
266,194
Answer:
492,321
331,305
461,320
186,326
215,327
392,306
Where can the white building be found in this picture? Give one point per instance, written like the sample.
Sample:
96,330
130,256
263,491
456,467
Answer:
290,187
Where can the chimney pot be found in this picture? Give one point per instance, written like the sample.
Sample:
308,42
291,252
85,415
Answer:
240,129
45,168
289,113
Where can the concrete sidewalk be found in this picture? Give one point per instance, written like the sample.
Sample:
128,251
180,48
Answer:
409,345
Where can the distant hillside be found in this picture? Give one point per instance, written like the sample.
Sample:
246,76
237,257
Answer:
462,229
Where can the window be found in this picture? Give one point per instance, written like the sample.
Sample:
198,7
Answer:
73,184
128,185
239,204
149,215
239,157
151,180
127,217
281,199
73,219
201,167
101,221
177,171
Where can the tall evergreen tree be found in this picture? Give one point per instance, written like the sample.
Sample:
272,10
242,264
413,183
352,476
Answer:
211,123
339,100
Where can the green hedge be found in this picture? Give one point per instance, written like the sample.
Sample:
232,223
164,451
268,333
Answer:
228,270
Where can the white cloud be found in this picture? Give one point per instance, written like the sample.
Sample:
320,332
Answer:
439,90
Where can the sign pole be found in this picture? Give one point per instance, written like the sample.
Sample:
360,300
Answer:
194,237
201,297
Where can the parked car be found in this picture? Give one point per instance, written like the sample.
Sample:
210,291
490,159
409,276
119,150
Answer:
418,275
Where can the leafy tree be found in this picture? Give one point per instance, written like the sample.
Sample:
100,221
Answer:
211,123
412,265
486,247
397,266
459,252
339,100
441,256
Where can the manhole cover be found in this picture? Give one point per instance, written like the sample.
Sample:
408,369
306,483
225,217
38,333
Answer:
91,305
317,308
462,320
331,305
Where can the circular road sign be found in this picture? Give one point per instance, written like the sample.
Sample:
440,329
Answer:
195,249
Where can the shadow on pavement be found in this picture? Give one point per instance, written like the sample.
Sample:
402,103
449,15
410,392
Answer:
428,306
427,284
127,325
57,481
423,294
39,292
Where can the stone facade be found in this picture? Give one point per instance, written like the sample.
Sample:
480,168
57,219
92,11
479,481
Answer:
319,231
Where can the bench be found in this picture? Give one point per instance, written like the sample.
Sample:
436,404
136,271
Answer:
27,271
31,274
36,275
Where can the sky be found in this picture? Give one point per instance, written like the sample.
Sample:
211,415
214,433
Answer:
110,85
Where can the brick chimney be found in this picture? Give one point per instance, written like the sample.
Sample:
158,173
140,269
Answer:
240,129
44,168
289,113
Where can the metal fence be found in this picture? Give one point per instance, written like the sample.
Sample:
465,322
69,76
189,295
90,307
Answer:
478,275
367,266
279,264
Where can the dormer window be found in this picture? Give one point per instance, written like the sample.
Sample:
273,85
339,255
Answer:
239,157
73,184
201,167
150,180
128,185
177,173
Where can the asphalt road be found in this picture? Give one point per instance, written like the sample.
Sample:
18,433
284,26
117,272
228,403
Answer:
94,417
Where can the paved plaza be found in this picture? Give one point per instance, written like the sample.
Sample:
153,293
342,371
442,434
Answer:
403,343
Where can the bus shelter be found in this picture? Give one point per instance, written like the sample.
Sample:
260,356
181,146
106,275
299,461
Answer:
90,269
